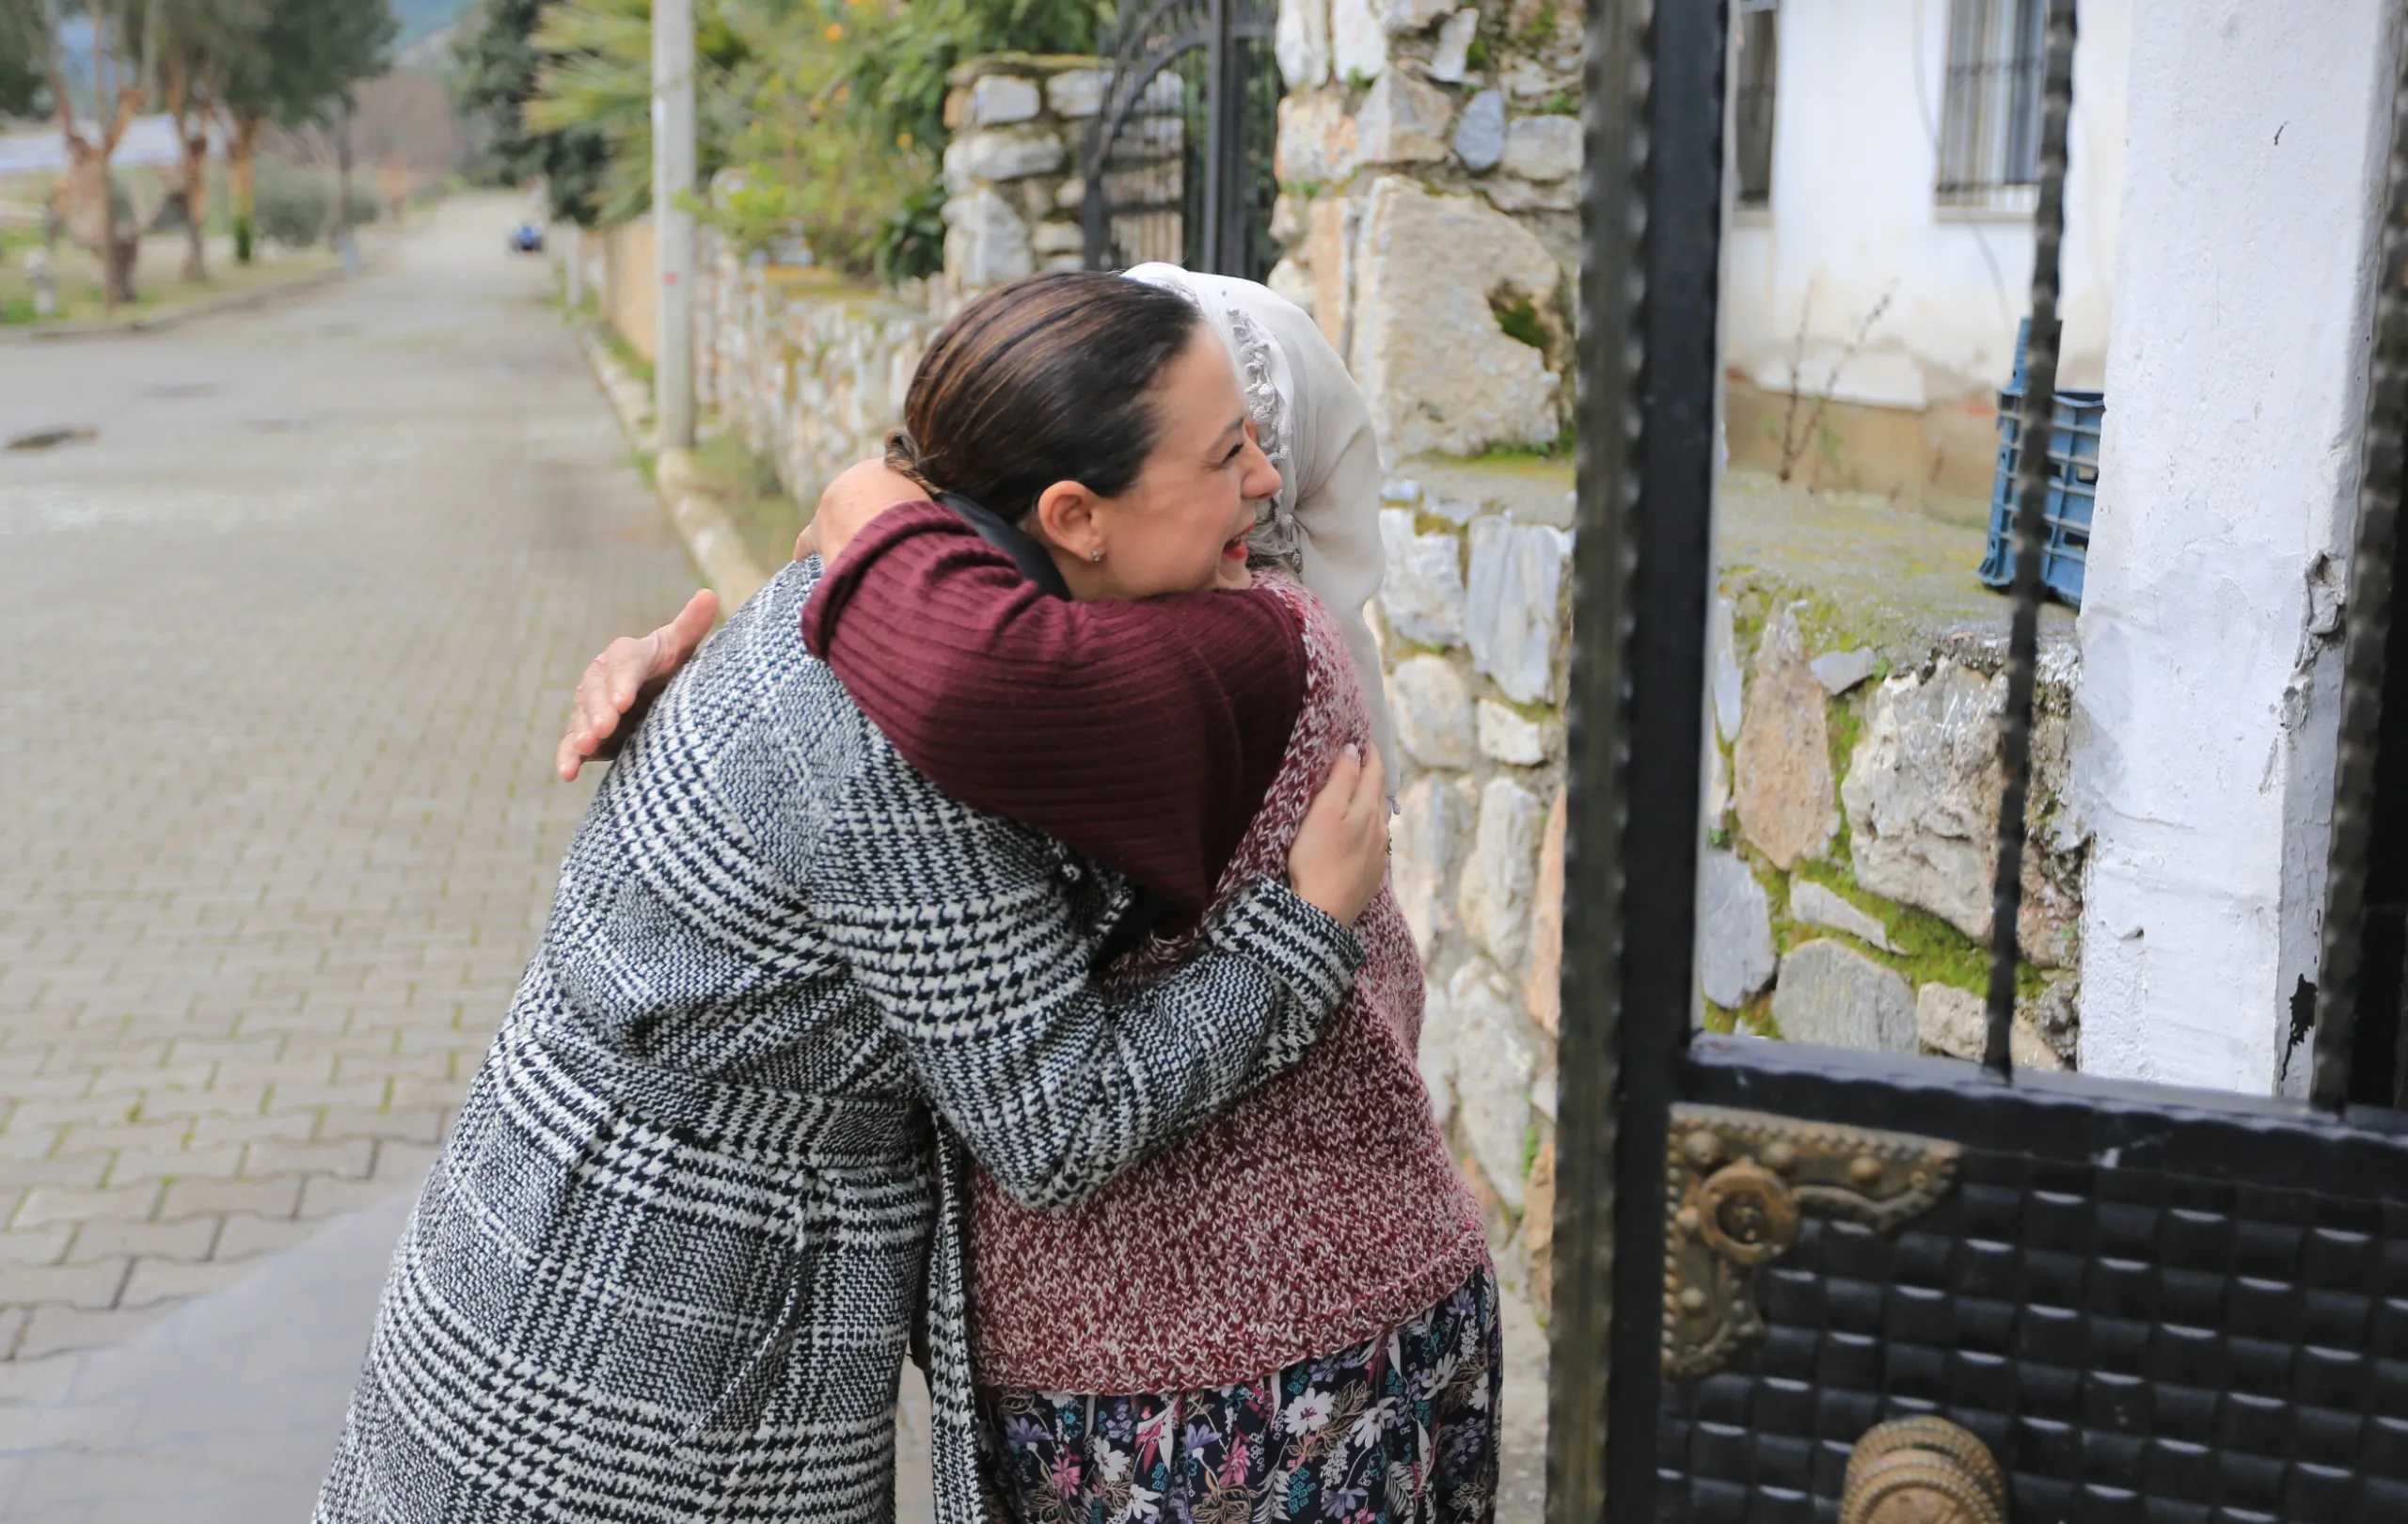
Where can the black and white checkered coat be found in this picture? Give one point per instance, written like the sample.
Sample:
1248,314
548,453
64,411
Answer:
667,1263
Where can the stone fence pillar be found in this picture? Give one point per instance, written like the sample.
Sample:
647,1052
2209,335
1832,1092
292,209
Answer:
1428,162
1011,172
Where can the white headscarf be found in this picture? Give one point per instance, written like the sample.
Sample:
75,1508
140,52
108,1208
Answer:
1315,424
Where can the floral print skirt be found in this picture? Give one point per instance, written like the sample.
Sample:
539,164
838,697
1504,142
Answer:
1398,1429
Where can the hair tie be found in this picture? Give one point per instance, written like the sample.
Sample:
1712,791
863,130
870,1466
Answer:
903,457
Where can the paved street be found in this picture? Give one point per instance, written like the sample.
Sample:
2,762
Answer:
283,653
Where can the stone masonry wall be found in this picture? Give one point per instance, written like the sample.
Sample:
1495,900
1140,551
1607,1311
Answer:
1428,161
1851,814
1851,803
807,371
1012,185
1473,621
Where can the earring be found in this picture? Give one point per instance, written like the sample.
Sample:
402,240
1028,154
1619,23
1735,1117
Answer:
1096,555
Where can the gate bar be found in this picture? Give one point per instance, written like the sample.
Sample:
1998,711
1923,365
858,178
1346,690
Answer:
2030,534
2366,640
1649,371
1218,140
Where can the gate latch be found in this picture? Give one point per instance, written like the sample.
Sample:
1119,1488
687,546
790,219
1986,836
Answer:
1739,1181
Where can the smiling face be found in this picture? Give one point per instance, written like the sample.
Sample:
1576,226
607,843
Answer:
1181,525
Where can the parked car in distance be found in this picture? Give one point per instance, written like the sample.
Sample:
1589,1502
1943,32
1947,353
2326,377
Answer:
527,237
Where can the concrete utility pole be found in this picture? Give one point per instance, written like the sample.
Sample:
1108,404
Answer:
673,178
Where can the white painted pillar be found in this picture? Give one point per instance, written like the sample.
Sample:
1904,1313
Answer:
673,181
2235,376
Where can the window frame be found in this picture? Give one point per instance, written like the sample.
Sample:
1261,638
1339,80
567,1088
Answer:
1990,117
1755,101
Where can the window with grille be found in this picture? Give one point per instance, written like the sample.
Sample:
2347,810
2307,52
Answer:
1990,135
1752,100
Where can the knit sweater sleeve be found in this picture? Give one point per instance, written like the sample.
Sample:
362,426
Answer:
1143,734
976,940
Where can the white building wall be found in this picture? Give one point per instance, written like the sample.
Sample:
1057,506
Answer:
1853,215
2236,378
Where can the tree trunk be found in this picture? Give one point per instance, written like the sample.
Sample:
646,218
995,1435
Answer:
342,178
239,145
196,199
89,216
189,189
125,248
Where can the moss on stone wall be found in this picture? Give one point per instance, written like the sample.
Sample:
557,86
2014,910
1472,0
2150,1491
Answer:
1923,948
1846,725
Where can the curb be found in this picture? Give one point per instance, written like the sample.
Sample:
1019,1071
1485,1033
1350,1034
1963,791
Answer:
167,317
710,538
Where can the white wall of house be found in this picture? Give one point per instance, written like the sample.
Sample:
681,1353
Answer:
2205,722
1853,215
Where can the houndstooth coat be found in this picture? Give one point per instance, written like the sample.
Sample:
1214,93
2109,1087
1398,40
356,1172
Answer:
665,1267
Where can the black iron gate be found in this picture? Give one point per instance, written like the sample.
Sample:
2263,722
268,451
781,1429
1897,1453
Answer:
1795,1284
1177,162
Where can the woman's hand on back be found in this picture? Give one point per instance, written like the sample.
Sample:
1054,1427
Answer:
1340,855
621,683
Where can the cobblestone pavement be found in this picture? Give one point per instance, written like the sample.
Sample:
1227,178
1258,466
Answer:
283,653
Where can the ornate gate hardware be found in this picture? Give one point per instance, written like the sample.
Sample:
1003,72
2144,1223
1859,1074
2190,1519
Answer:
1921,1471
1738,1182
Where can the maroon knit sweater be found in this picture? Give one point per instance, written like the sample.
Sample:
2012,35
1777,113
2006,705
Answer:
1323,1208
995,692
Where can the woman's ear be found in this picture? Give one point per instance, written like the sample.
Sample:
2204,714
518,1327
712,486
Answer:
1066,520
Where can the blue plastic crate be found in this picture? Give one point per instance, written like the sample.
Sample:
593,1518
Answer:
2073,487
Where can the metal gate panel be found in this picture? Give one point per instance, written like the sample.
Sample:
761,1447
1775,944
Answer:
2142,1304
2151,1305
1177,164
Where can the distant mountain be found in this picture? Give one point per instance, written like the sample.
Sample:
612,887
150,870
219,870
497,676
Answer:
422,18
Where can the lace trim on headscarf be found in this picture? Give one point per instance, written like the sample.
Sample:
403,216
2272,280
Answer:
1278,539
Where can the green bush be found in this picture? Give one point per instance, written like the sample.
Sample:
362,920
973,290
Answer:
911,244
899,64
294,204
817,163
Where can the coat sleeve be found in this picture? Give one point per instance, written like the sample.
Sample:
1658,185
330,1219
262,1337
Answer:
976,940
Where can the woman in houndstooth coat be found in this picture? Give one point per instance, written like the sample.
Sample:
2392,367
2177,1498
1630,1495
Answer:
666,1266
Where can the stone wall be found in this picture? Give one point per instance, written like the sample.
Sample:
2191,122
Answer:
1851,816
1428,163
1473,621
1012,185
1851,803
805,369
